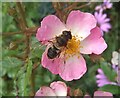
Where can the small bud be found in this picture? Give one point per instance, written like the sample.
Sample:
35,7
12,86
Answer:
95,57
78,92
69,91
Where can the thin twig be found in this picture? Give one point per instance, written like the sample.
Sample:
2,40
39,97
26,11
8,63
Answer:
72,6
35,66
79,7
31,30
58,10
19,57
27,51
22,14
11,33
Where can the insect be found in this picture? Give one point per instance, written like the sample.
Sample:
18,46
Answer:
60,42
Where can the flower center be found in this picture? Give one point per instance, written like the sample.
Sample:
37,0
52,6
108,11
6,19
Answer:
73,47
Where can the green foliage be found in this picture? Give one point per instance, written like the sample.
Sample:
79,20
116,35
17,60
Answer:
1,85
7,20
27,76
114,89
19,81
10,66
108,71
39,11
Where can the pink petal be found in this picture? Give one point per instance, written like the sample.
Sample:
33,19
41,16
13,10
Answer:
100,85
45,91
100,71
105,1
103,81
106,20
74,68
96,14
105,27
109,5
104,16
99,76
80,23
101,18
98,7
59,88
102,93
94,43
51,27
87,96
51,64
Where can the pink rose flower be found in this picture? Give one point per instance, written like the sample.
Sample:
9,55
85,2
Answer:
86,39
56,89
100,94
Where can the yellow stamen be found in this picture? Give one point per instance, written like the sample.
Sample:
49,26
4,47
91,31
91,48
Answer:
73,47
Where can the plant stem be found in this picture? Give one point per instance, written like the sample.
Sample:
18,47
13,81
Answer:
27,33
58,10
31,30
11,33
79,7
22,14
33,83
72,6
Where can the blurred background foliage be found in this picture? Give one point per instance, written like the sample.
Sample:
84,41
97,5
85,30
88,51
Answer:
24,77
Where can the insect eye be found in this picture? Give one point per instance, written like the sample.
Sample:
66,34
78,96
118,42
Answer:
67,34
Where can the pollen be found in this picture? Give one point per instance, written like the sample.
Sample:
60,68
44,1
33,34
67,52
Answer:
73,46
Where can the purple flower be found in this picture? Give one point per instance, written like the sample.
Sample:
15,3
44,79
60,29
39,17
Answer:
102,78
106,5
103,21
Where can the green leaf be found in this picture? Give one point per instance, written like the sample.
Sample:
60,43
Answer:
27,76
23,80
10,65
114,89
20,83
108,71
1,86
36,49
